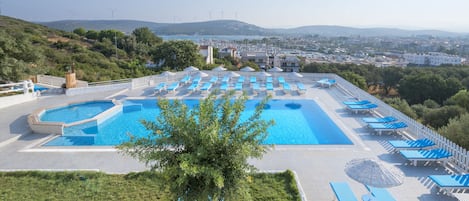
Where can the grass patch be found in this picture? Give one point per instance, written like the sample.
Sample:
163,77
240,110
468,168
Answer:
37,185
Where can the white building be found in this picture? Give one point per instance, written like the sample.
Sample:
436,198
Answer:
433,59
289,63
207,52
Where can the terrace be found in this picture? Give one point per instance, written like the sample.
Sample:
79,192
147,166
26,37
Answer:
315,165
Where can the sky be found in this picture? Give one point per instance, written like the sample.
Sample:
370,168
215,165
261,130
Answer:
449,15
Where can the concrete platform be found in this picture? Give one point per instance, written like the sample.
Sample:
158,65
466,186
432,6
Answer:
316,165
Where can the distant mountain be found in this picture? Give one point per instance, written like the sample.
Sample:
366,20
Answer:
218,27
126,26
233,27
349,31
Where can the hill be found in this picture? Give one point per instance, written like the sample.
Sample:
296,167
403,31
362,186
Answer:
233,27
28,49
350,31
125,26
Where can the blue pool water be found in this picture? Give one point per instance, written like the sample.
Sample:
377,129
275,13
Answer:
298,122
75,112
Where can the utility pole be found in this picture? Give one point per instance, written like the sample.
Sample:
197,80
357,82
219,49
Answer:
115,35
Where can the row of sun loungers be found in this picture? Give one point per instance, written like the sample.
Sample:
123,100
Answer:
414,151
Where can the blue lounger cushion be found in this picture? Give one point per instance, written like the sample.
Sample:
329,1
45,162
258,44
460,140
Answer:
380,194
385,119
213,79
362,102
224,86
269,86
387,126
411,144
239,86
161,86
451,181
342,191
426,155
362,107
255,86
301,86
206,86
269,80
286,86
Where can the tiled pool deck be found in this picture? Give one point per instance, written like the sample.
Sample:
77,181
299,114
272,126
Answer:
316,165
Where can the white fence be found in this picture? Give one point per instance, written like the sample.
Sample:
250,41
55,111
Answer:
26,89
57,81
96,89
460,157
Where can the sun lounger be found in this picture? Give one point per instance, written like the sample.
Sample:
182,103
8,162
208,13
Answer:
449,183
411,144
239,86
197,79
326,82
362,102
286,88
206,87
241,79
386,119
226,79
214,79
301,88
252,79
255,87
269,80
281,80
390,127
173,87
224,86
358,108
270,88
194,86
342,191
380,194
160,87
185,79
426,155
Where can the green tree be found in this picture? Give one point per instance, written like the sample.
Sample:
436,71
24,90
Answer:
92,34
355,79
391,77
461,98
417,88
146,36
457,130
80,31
439,117
177,54
251,64
202,152
401,105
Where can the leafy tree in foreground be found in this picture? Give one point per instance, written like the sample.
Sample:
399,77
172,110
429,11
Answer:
202,152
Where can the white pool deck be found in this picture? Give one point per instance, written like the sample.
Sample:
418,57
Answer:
315,165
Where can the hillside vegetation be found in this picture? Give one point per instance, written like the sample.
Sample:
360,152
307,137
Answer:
29,49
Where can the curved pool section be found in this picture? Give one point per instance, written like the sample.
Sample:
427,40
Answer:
53,120
75,112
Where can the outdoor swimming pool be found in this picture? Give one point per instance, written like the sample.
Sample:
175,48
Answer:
298,122
75,112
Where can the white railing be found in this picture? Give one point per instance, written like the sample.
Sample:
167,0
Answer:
460,157
27,89
57,81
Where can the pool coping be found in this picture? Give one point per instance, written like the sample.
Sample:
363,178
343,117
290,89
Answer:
57,128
